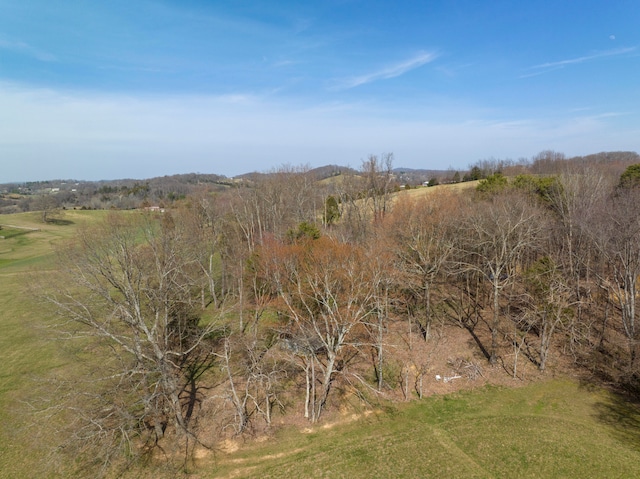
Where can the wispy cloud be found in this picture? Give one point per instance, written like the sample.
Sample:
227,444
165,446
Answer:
550,66
237,133
283,63
26,49
391,71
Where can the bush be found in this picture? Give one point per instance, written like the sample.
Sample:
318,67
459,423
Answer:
493,184
631,177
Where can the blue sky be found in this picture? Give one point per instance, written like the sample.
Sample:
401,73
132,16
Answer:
93,89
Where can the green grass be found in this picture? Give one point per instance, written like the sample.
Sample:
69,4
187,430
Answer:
551,429
6,233
27,350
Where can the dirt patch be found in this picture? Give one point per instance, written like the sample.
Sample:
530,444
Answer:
229,446
449,361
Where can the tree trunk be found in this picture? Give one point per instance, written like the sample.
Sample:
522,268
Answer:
380,357
427,305
493,357
326,383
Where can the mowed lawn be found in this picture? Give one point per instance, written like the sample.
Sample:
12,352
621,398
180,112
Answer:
552,429
28,349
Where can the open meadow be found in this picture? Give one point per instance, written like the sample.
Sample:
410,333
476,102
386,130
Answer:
550,429
29,352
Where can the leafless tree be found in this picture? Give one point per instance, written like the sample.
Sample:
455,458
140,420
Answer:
575,205
423,241
617,237
383,277
328,295
378,175
549,304
496,239
548,162
132,289
355,223
203,223
50,207
254,378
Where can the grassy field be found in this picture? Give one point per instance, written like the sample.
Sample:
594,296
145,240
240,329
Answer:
552,429
426,190
27,350
556,428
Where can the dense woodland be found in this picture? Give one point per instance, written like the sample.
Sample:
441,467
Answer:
289,297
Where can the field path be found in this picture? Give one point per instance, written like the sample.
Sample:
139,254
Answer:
452,450
20,227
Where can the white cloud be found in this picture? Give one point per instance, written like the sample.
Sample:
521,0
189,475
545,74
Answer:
26,49
391,71
571,61
48,134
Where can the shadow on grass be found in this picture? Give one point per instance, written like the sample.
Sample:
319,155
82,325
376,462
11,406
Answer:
7,234
60,222
622,415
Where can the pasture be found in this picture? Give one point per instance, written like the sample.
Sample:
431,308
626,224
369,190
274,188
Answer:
28,351
555,428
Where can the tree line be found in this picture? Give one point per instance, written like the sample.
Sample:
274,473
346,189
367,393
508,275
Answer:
280,297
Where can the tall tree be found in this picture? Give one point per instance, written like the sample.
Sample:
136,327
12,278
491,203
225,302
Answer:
549,301
423,242
495,239
328,294
617,238
378,174
575,204
131,286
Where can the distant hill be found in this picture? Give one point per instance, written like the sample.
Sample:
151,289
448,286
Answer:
319,173
412,176
328,171
131,193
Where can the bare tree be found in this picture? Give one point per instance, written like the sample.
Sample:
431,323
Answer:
253,380
130,286
575,205
383,277
423,242
378,174
355,222
548,162
50,207
618,240
203,222
550,304
328,295
495,240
